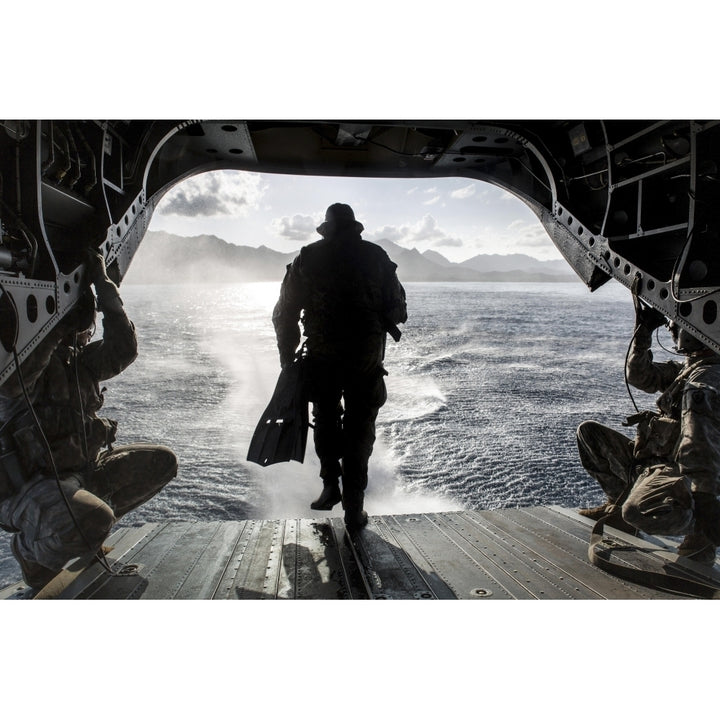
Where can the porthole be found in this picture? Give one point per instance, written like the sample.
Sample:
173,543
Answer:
480,139
50,304
709,312
229,128
650,284
459,159
664,293
31,307
235,151
627,269
685,309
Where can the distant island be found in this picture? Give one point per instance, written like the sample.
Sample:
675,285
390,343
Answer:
164,258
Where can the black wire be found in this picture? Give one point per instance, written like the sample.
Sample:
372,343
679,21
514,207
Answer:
627,357
667,350
56,473
101,558
81,407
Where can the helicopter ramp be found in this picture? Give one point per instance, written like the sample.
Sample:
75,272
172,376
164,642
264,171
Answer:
515,553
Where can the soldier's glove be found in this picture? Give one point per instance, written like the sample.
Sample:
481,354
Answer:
106,290
95,263
707,516
646,316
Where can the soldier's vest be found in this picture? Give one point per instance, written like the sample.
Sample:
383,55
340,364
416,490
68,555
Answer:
344,283
658,433
65,407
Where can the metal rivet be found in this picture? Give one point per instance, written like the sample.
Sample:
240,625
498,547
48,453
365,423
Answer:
481,592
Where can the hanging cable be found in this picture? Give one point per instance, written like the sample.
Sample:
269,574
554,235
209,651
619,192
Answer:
98,554
627,357
667,350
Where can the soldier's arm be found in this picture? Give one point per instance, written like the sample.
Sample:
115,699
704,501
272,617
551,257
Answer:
698,454
395,300
642,372
286,315
118,348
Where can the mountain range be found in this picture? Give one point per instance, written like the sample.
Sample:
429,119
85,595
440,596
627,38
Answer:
166,258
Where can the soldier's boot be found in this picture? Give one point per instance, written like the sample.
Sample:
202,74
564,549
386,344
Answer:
614,520
595,513
34,575
699,548
355,516
702,542
355,520
329,497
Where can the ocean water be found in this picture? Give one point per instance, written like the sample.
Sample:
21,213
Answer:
485,391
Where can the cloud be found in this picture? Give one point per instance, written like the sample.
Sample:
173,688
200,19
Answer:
464,192
214,194
300,228
423,234
518,236
529,235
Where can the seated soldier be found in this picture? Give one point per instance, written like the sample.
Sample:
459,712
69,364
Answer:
666,480
68,485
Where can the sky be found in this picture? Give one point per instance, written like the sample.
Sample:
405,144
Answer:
457,217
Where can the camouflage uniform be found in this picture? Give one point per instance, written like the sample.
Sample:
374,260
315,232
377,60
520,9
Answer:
66,507
350,294
672,467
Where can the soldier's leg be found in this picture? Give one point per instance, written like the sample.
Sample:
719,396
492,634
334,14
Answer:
325,393
53,525
607,455
660,502
129,475
364,394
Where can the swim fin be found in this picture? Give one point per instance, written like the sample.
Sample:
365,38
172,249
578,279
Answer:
281,433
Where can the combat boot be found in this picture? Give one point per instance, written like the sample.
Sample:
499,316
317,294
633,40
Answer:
355,517
329,497
614,517
595,513
355,520
698,548
34,575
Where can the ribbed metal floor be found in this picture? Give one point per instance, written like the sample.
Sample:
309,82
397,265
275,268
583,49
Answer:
520,553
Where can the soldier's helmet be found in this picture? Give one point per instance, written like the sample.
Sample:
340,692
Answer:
80,321
685,343
339,217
